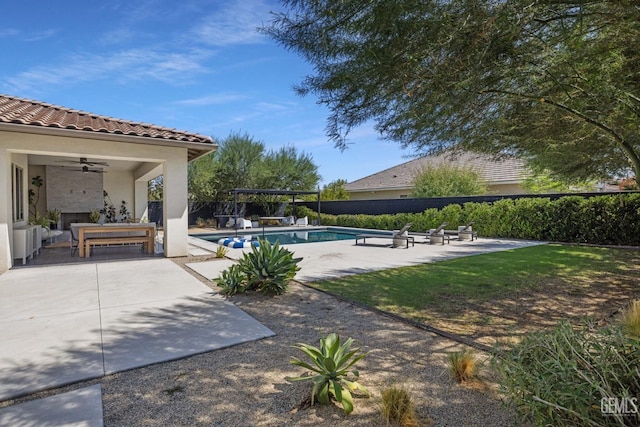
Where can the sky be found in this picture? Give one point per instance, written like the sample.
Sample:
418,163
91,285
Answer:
194,65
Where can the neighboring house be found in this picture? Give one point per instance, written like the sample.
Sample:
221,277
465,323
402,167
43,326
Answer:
119,157
501,176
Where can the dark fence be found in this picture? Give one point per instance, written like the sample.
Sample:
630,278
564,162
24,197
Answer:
411,205
155,212
220,211
366,207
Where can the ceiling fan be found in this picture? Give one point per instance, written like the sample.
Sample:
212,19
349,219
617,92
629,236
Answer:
85,169
84,162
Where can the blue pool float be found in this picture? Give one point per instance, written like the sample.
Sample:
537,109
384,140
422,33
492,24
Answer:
236,242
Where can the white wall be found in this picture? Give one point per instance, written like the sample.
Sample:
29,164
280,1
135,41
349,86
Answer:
6,208
120,187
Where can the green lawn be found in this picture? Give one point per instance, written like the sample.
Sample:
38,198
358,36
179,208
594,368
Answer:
487,288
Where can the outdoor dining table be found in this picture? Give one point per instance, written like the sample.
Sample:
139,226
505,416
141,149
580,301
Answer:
85,232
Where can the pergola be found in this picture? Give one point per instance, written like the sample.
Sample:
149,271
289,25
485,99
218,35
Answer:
292,193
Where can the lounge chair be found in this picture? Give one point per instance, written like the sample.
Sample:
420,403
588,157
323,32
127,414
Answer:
243,223
438,235
289,220
398,237
464,232
304,221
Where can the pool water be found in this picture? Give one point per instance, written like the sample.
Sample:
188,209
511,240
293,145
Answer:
291,237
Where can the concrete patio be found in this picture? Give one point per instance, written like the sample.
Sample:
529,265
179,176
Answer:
68,323
329,260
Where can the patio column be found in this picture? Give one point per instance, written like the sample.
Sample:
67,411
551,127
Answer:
174,205
5,211
141,200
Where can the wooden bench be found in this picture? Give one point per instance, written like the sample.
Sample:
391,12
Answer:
115,234
95,241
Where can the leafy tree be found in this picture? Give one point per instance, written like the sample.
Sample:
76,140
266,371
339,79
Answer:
203,180
446,180
155,189
544,182
335,190
554,82
285,169
239,162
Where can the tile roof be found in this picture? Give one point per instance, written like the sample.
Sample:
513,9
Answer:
35,113
401,176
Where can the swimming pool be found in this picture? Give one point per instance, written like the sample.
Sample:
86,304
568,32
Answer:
288,237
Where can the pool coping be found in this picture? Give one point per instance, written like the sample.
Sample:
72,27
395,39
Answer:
287,229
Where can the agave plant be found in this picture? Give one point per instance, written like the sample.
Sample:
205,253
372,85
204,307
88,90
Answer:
221,252
330,368
269,267
231,280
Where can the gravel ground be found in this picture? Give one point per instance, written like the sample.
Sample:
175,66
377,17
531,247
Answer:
244,385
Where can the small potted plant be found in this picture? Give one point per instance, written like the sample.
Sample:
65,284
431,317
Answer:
94,216
53,215
40,220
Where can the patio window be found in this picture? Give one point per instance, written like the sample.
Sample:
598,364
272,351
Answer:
17,193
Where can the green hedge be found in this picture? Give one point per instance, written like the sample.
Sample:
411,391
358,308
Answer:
612,220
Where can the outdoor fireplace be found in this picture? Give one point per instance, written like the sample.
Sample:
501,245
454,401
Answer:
70,217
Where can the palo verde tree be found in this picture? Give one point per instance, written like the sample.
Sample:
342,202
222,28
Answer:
554,82
242,162
239,161
285,169
447,180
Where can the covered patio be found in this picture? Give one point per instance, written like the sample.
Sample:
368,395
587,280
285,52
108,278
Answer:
84,162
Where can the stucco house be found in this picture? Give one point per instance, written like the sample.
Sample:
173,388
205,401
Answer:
501,176
79,155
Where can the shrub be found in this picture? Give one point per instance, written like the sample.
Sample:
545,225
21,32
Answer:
232,281
631,319
221,251
268,268
562,377
463,365
608,219
330,371
398,407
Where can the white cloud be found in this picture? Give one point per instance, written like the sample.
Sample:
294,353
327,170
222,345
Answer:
234,23
40,35
118,36
8,32
126,65
27,37
222,98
